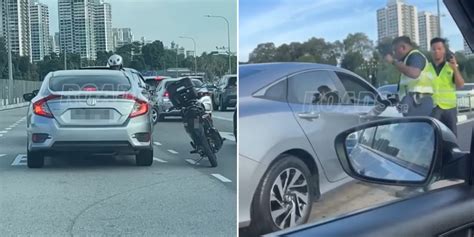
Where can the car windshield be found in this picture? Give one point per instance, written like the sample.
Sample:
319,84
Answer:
89,82
197,83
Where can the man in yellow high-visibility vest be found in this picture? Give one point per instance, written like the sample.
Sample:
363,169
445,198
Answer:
415,88
448,79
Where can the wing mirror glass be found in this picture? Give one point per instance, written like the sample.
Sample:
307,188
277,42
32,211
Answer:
35,92
399,151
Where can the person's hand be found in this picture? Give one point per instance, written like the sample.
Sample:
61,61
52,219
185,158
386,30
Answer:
453,63
389,58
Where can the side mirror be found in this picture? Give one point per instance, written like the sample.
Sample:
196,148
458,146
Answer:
35,92
28,96
401,151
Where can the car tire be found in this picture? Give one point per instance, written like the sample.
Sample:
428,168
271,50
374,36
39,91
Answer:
155,115
262,220
214,104
222,106
35,159
144,157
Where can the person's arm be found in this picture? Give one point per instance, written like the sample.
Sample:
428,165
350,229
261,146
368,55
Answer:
415,63
458,79
409,71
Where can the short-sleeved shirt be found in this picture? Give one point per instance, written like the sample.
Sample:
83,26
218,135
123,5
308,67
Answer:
416,60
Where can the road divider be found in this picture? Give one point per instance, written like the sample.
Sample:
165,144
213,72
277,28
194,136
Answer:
221,178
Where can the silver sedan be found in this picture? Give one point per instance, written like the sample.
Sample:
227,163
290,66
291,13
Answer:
92,111
289,115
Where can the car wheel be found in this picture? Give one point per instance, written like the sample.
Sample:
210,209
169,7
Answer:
284,197
154,115
144,157
214,104
222,106
35,159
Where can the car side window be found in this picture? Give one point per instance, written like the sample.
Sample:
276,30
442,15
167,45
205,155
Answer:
357,92
315,87
277,91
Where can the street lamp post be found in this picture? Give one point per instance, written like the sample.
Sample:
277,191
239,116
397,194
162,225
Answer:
228,39
439,19
194,42
10,64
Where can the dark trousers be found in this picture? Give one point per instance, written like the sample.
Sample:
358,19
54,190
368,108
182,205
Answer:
448,117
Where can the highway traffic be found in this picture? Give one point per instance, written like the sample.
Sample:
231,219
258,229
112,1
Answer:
105,195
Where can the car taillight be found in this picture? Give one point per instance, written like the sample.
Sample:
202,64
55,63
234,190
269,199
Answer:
139,108
89,88
166,94
41,108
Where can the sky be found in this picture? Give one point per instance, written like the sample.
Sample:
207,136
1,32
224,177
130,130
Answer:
286,21
166,20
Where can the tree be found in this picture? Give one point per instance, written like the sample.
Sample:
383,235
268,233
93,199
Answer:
352,60
358,42
263,53
102,58
152,54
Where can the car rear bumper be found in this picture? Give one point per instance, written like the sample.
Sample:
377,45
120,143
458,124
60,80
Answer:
86,138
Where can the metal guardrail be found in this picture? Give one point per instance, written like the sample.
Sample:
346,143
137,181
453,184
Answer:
465,103
20,87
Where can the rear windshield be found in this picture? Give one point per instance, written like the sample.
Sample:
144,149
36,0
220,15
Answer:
89,83
232,81
197,83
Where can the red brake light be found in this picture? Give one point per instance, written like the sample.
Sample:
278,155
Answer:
41,108
166,94
158,78
139,108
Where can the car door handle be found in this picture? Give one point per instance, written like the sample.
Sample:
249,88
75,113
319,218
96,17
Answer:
308,115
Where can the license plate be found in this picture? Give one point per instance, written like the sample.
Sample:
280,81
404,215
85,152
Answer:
90,114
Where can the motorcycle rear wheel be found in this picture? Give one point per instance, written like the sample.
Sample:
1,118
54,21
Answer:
207,150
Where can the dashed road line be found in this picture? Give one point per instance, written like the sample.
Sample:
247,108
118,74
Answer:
228,136
3,131
191,161
1,135
172,151
8,128
19,160
221,178
160,160
2,155
157,143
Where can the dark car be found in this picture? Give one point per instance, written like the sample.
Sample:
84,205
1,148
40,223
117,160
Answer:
226,93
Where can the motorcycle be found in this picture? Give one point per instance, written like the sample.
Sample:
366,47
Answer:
206,140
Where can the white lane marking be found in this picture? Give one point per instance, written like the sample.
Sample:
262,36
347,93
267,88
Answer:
157,143
223,118
2,155
8,128
19,160
3,131
228,136
190,161
222,178
160,160
173,152
1,135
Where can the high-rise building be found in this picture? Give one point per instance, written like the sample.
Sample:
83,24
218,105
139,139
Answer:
467,50
77,27
121,37
56,44
397,19
39,23
428,26
189,53
103,27
18,12
180,51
